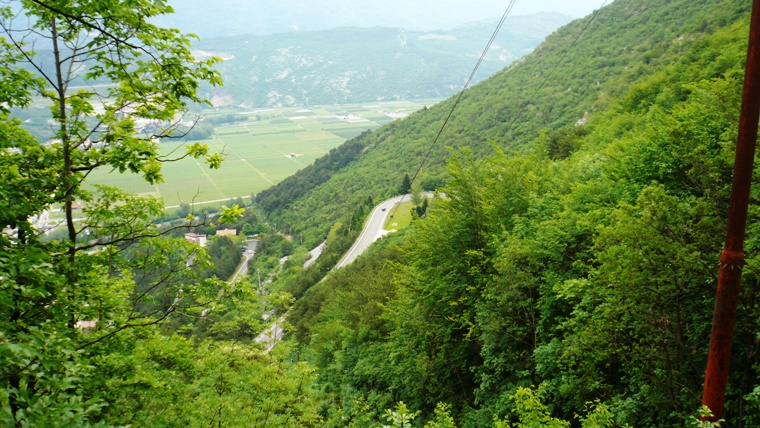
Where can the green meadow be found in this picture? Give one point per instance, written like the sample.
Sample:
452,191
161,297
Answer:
270,146
401,216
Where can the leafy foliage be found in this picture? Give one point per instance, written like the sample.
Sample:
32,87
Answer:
584,265
71,307
226,256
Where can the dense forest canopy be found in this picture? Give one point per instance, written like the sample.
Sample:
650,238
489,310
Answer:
71,309
589,277
566,280
580,261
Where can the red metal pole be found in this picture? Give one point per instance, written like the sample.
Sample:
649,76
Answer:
732,257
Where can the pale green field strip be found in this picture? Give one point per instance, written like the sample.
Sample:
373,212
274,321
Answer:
307,160
344,125
290,128
322,112
232,129
277,169
262,129
316,136
257,172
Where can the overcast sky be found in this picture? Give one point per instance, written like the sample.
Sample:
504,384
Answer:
575,8
227,17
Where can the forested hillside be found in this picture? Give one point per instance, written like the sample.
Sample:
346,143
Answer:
567,278
627,41
570,277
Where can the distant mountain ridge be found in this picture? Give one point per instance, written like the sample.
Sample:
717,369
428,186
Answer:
349,65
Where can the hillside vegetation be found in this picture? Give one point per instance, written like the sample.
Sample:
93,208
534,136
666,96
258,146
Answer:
574,275
628,41
567,279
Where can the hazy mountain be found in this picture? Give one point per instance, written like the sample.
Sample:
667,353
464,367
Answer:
366,64
231,17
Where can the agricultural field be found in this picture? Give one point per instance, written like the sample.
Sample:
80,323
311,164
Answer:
260,152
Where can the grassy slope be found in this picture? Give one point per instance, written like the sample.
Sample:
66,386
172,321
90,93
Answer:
629,39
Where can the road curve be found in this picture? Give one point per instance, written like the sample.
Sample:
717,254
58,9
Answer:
373,229
247,255
271,335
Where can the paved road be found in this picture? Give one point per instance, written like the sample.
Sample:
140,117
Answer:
315,253
373,230
250,251
271,335
230,200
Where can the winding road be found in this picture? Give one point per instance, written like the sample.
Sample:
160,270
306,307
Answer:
373,230
247,255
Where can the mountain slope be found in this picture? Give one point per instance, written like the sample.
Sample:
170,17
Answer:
574,280
350,65
629,39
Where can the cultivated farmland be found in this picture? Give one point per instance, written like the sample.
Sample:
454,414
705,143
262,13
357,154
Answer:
260,152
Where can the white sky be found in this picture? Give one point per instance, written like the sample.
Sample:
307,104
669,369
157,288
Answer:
205,17
575,8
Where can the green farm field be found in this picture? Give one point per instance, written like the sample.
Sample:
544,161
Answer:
261,152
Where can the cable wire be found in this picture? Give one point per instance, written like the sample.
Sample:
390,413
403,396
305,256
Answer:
459,97
541,86
469,80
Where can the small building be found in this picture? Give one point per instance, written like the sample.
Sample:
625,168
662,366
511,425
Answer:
226,232
87,325
196,238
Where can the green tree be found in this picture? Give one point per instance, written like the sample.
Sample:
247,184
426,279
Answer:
217,384
406,185
65,304
401,417
183,210
422,209
417,195
248,230
225,255
442,418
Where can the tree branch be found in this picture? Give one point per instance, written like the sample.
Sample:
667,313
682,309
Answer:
97,28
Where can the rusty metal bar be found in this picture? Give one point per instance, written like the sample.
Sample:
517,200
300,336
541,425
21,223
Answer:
732,257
